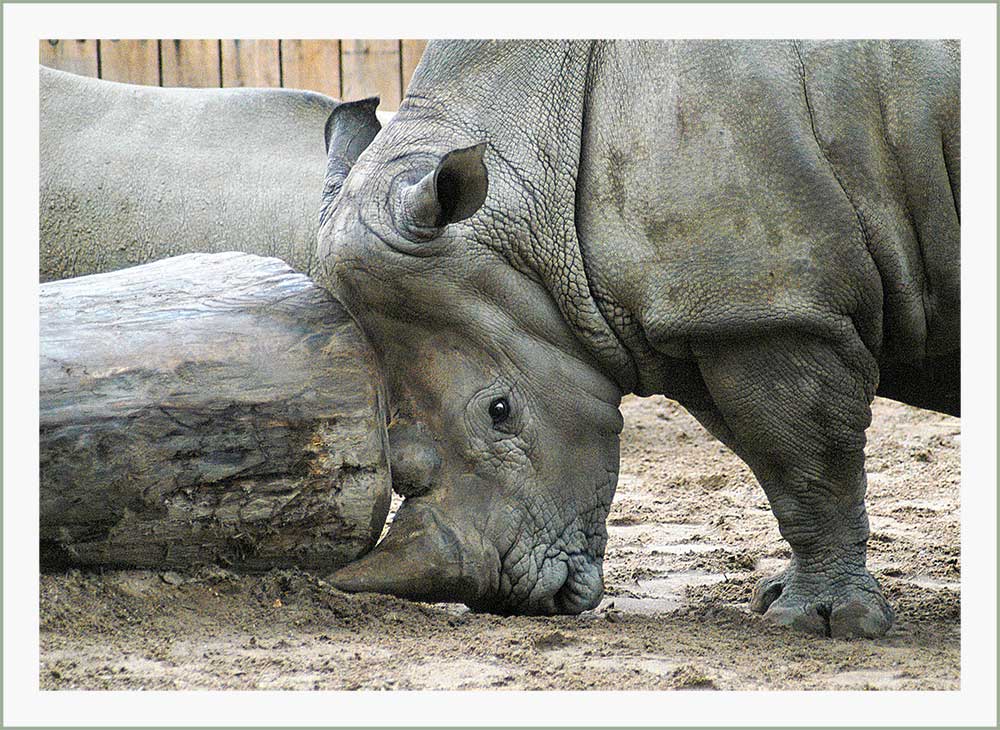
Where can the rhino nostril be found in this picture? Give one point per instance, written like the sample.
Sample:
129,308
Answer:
413,458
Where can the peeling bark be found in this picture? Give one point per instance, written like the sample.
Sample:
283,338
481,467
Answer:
207,408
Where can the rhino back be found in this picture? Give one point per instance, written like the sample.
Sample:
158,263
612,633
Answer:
131,174
735,188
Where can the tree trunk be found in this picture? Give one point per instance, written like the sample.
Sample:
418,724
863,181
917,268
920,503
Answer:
207,408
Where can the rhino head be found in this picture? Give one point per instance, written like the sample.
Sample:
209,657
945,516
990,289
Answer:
505,425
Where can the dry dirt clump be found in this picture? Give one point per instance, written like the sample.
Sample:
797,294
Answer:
690,533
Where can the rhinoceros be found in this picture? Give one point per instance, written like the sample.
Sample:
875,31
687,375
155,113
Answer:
766,232
132,174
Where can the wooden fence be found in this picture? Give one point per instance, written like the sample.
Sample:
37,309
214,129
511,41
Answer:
345,69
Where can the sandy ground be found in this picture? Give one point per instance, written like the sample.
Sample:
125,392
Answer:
690,532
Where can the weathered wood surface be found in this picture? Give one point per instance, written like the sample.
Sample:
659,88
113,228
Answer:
78,56
250,63
371,68
207,408
192,63
130,61
312,65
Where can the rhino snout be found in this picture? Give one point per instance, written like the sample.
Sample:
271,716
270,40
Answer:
563,585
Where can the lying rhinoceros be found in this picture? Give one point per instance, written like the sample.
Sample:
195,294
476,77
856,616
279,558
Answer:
767,232
132,174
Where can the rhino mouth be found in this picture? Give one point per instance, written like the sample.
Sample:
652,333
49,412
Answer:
584,587
562,585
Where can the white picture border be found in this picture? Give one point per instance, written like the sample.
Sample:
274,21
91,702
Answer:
25,25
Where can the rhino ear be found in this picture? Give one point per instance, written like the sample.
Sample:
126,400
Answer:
350,128
453,192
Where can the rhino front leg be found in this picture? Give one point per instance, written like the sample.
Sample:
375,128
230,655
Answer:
795,408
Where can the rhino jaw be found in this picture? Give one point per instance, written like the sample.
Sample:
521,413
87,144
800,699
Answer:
421,559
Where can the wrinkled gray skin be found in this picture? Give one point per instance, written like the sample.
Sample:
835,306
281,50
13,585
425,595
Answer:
755,229
132,174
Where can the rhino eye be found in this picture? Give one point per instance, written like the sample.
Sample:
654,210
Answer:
499,410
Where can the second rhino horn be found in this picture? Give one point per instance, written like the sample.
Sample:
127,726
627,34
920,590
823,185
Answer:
454,191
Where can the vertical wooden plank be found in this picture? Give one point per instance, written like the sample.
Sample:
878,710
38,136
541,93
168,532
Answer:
75,56
190,63
250,63
368,68
130,61
412,51
312,65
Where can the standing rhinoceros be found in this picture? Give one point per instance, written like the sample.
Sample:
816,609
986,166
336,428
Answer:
132,174
767,232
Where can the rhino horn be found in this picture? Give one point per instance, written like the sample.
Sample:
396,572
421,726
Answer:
420,559
454,191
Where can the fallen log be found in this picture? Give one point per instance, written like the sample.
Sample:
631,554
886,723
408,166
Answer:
207,408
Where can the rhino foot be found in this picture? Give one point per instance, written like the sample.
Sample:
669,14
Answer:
841,606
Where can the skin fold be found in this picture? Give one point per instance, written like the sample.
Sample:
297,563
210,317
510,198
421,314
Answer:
764,231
